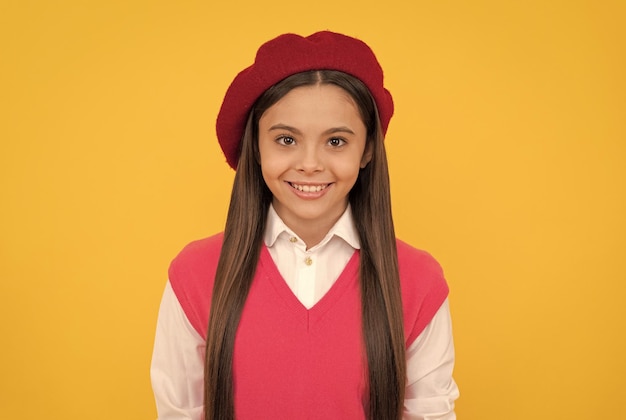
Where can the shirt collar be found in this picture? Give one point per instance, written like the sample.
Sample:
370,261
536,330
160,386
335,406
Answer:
344,228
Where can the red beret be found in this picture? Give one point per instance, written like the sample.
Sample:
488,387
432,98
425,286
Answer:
290,54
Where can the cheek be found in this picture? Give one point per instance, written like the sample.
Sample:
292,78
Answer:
271,173
348,174
349,167
267,175
268,155
265,161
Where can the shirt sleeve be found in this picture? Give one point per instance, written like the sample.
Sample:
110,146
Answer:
177,369
431,390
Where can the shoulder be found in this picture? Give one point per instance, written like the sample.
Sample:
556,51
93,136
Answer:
424,288
200,255
192,274
417,261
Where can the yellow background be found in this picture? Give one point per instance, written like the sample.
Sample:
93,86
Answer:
508,156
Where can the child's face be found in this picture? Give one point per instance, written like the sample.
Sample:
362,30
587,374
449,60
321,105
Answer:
312,145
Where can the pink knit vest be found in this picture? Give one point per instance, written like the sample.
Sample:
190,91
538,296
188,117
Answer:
296,363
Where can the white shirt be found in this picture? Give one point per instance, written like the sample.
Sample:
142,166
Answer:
177,369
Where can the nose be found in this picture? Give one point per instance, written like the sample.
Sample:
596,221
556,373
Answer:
309,160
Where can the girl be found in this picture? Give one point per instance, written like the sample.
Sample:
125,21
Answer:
306,307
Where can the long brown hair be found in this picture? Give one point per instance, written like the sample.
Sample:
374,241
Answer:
381,300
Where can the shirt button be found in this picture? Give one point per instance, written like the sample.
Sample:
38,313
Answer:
308,261
293,239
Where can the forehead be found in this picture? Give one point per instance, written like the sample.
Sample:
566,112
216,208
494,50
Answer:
318,103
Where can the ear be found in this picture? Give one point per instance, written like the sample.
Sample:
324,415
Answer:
367,155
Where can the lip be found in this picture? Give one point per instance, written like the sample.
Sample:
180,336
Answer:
309,190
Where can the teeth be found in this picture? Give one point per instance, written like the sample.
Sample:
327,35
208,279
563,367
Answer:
309,188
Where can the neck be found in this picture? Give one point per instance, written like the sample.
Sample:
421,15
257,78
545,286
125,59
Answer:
312,234
311,231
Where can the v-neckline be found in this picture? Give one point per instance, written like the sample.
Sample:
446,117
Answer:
348,277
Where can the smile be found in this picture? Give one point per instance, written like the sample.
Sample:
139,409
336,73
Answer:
309,188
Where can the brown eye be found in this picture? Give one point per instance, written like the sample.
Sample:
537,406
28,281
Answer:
336,142
285,140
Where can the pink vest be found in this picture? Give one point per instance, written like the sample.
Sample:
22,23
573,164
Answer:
296,363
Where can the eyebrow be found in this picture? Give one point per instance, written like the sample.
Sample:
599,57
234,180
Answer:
333,130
